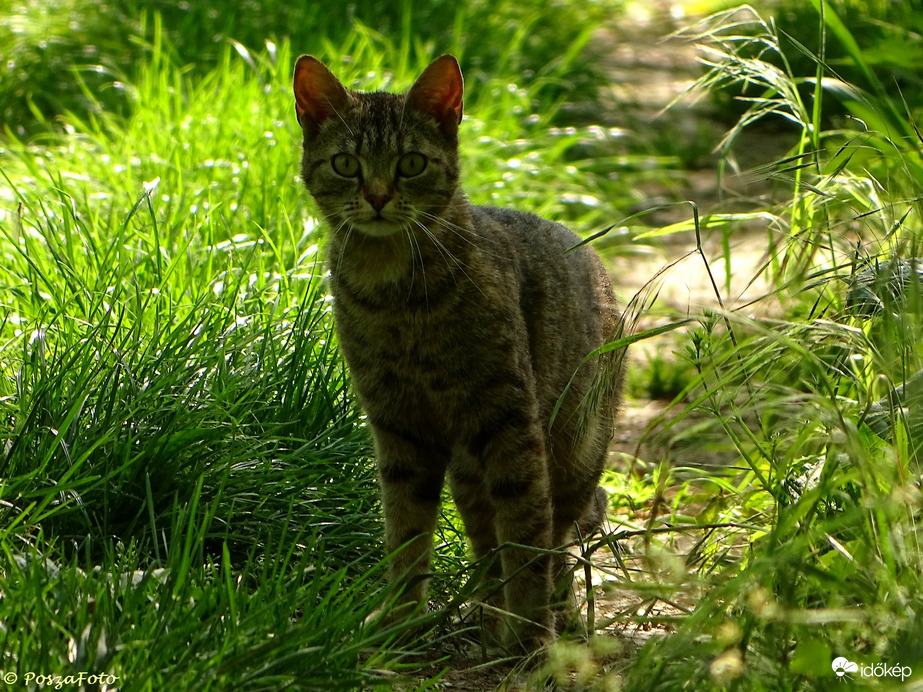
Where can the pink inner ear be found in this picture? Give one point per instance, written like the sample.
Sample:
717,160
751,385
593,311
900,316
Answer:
439,90
318,94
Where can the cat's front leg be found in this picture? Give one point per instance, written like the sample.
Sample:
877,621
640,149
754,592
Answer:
411,476
511,445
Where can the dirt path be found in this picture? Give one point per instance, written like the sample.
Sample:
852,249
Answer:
649,73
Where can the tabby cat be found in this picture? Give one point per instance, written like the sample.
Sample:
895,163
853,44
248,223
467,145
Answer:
461,327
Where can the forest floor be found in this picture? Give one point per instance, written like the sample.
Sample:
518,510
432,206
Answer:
649,72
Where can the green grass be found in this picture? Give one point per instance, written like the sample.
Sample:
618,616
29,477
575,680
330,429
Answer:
79,56
173,406
187,495
818,550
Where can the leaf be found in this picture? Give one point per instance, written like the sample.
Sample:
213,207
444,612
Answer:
707,221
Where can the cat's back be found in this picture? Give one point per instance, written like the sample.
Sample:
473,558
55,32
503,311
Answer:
526,228
564,295
556,273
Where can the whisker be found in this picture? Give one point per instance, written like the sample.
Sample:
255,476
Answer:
440,247
460,231
342,119
405,228
447,255
349,230
467,235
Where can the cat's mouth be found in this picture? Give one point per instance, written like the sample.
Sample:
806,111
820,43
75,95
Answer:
377,226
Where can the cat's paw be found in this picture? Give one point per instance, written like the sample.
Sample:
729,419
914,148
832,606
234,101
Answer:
391,616
521,637
594,516
503,633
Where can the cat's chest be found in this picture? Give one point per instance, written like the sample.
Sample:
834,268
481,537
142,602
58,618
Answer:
414,344
412,367
423,364
418,325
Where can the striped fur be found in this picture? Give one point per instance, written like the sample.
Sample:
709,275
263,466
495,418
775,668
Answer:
461,327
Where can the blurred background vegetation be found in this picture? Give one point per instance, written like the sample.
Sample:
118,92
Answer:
55,52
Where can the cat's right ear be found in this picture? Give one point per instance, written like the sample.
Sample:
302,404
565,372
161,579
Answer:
438,92
318,94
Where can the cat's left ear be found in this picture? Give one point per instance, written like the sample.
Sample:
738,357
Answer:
438,92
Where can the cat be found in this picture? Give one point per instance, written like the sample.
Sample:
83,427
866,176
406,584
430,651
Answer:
461,327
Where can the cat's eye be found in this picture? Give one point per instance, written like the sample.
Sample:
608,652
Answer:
411,164
346,165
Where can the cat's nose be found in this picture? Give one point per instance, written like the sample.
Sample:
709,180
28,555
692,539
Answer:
377,201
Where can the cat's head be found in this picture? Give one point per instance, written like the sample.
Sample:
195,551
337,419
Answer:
379,162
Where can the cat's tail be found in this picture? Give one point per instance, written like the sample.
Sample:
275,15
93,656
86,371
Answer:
604,395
